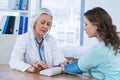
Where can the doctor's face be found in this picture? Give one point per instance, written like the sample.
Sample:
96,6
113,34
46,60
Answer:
90,28
43,24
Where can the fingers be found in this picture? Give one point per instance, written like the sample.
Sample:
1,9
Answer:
63,63
42,64
36,65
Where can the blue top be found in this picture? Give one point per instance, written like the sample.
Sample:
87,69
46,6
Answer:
101,61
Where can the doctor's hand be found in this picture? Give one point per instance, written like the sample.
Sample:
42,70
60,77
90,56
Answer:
37,67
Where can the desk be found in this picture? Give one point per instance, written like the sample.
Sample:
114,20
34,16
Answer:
9,74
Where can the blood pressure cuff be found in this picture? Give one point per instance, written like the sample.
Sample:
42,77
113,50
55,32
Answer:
72,68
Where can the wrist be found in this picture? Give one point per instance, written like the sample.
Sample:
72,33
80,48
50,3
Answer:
62,68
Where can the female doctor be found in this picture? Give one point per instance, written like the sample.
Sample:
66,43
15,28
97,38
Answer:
36,50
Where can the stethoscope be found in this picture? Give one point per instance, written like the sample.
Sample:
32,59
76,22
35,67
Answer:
40,44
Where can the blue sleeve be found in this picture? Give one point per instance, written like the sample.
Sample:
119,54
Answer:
72,68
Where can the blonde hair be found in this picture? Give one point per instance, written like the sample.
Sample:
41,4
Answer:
35,16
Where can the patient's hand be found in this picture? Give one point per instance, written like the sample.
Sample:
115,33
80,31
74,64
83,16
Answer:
71,59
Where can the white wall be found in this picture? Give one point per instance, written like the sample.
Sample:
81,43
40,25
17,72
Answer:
6,46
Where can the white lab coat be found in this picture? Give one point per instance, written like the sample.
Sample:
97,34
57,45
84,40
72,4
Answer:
25,52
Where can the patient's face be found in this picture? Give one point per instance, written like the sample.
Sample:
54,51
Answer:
90,28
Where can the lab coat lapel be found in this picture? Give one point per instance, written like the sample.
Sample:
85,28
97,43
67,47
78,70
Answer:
32,42
47,50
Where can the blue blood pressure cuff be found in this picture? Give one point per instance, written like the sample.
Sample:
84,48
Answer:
72,68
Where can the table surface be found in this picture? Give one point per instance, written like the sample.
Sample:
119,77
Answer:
9,74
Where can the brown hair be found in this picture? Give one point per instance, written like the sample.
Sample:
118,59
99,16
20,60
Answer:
107,31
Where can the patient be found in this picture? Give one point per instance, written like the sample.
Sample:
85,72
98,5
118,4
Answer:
102,61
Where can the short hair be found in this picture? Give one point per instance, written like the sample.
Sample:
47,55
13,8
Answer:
36,15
